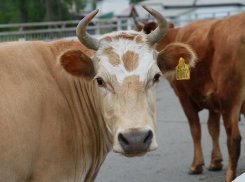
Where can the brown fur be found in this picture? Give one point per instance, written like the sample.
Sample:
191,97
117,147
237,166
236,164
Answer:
217,83
170,25
139,39
113,57
82,65
125,36
51,129
168,59
106,38
130,60
55,126
148,27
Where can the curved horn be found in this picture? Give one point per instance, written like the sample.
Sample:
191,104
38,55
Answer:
162,28
139,26
86,39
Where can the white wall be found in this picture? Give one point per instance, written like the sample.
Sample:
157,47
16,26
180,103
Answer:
207,13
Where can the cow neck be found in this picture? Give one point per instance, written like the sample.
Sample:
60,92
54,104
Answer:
88,119
82,95
169,38
88,106
91,140
172,35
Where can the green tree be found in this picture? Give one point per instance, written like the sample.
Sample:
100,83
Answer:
136,1
21,11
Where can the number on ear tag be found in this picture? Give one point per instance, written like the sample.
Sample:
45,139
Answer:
182,70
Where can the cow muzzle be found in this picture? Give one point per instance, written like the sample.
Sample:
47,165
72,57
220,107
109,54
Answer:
135,143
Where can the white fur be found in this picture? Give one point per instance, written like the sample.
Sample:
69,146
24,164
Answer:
121,46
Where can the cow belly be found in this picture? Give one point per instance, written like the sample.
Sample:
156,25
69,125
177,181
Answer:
208,101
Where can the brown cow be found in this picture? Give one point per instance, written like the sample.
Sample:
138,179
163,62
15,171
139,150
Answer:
217,84
63,106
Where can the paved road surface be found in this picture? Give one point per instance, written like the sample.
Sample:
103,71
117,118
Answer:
171,161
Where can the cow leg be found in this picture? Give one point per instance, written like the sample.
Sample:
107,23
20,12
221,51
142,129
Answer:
191,112
230,118
195,127
214,130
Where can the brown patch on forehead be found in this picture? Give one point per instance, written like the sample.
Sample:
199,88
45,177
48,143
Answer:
131,82
139,39
130,60
134,34
113,57
107,38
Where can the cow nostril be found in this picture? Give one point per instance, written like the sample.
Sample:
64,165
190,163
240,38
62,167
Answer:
122,140
148,138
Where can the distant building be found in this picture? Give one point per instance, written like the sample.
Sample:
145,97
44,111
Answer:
181,12
110,8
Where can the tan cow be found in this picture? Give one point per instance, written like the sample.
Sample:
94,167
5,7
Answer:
63,106
217,84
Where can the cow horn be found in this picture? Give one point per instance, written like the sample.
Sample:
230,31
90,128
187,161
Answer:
140,26
84,37
162,28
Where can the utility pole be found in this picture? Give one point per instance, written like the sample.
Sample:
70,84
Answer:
48,9
194,3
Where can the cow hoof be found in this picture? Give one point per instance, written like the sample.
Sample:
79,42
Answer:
217,166
218,160
198,169
210,168
191,172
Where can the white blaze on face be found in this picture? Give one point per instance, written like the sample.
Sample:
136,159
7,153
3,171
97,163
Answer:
121,46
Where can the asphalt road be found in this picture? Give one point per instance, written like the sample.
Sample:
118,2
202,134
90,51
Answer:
171,161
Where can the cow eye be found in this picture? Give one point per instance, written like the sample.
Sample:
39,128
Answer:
100,82
156,77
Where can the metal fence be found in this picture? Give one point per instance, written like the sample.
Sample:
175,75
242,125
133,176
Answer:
48,31
184,19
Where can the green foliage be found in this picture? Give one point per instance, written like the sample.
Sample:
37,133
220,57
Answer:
136,1
80,4
10,10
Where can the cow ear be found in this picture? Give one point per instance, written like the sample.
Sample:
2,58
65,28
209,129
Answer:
150,27
168,58
78,64
170,25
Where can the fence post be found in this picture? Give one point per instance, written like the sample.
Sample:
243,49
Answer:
129,24
196,16
119,22
62,30
97,30
21,37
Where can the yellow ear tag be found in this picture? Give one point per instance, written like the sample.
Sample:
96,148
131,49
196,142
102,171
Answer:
152,30
182,70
